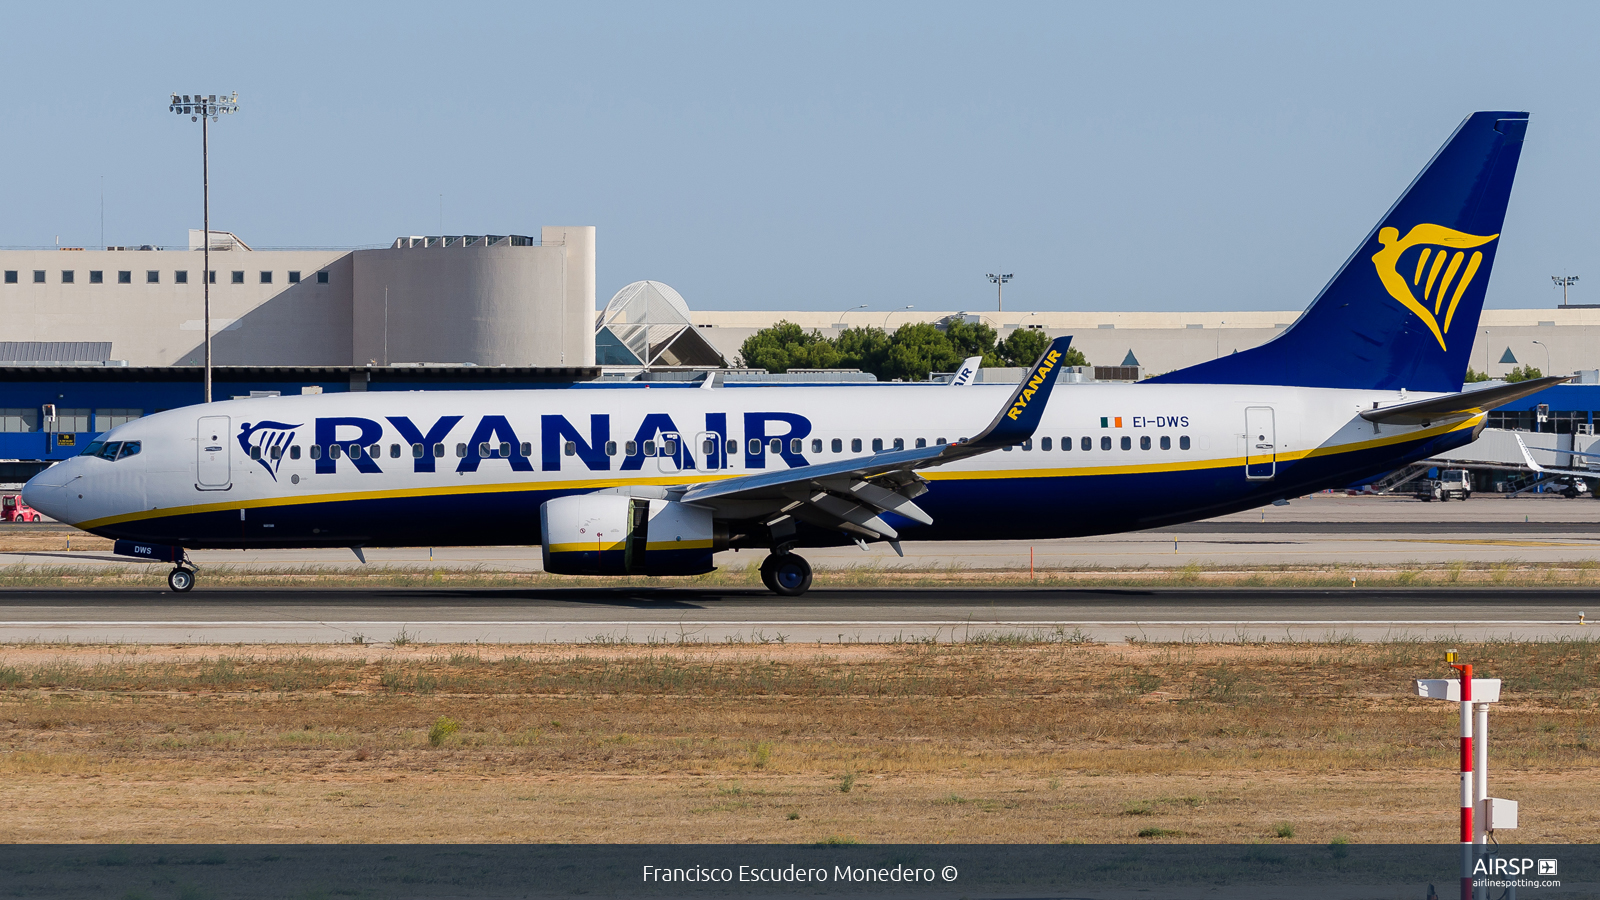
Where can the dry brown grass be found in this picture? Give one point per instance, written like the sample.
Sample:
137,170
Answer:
996,741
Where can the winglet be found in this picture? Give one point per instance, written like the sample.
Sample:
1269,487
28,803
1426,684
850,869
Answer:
1019,418
1528,457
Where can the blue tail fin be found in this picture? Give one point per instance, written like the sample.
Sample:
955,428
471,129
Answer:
1403,310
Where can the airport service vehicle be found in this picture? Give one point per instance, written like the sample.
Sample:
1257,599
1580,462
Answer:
653,479
1452,484
14,509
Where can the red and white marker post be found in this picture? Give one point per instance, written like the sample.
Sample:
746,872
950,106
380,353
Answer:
1480,814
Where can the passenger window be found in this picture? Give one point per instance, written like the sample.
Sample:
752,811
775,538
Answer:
1144,442
1008,449
394,451
1044,443
855,445
1027,444
255,453
276,452
899,443
838,445
527,449
375,451
1087,443
877,445
775,445
333,451
795,445
649,448
416,451
816,445
922,442
294,451
1105,442
461,451
631,448
355,451
1127,442
755,447
733,446
505,450
939,441
438,451
1183,442
708,446
571,448
669,447
129,448
316,451
611,448
1166,442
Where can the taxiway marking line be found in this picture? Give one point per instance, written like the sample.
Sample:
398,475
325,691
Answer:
773,623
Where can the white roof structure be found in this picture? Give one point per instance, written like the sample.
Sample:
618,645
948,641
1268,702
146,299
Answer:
647,323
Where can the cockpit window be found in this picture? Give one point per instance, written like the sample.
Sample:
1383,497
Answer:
129,448
109,451
93,449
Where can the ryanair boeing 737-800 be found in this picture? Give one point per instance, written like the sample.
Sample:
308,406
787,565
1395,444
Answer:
655,479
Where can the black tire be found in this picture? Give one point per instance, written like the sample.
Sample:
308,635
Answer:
791,575
766,573
180,580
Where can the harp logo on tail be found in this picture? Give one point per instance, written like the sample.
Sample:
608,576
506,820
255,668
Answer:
1440,267
262,438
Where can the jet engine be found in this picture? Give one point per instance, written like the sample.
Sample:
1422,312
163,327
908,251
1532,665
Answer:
612,534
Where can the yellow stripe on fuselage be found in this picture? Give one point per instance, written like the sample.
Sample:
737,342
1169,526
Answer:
589,546
685,478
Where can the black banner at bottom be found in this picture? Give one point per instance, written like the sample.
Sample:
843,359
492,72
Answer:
471,872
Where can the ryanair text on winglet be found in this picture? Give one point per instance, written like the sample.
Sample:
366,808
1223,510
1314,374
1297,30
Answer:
1033,384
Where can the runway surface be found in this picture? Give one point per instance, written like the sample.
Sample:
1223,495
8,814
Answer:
670,616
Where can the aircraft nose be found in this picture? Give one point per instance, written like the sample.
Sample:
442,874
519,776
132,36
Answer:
46,492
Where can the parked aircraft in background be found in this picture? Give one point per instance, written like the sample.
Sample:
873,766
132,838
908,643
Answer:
654,479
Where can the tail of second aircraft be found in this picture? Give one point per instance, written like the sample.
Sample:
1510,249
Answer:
1403,310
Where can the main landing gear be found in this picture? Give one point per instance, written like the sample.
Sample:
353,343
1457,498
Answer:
786,574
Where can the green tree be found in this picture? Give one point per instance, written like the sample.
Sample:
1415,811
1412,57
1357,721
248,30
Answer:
1523,373
787,346
918,349
1023,347
970,339
1475,377
863,348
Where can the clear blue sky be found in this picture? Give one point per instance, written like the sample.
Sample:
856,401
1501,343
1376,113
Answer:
1154,156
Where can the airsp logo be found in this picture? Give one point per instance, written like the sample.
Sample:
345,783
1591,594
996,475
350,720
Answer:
1437,268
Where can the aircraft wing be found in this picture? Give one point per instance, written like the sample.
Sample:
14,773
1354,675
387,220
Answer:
1460,403
852,495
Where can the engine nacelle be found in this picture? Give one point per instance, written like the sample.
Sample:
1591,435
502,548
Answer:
609,534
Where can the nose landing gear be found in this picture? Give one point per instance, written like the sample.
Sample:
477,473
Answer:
180,579
786,574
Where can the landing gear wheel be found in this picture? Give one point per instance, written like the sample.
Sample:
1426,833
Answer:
180,580
786,575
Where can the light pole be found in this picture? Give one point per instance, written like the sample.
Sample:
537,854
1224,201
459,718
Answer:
205,109
892,312
999,282
1564,282
850,310
1546,356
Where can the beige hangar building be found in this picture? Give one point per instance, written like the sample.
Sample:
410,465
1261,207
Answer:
490,300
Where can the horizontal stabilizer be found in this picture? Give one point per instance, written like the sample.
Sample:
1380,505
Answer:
1462,403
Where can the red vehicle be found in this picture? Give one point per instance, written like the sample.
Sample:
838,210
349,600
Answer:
12,509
